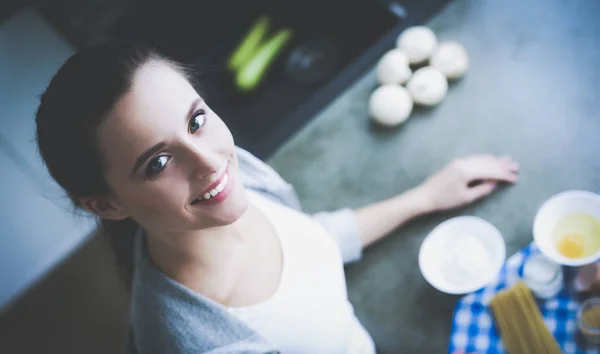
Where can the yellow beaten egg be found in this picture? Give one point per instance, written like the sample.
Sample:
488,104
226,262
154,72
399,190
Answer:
571,245
577,235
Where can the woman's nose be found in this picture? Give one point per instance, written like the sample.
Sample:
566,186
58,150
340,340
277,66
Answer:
204,164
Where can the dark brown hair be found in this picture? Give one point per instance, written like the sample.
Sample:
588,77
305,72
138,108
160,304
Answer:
80,95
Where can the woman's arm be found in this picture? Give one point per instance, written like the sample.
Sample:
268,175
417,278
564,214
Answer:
379,219
459,183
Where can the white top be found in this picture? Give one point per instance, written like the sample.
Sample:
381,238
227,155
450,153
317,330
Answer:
309,312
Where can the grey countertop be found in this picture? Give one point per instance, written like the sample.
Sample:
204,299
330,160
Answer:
531,92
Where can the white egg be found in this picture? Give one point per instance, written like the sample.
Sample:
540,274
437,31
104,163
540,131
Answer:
390,105
393,68
451,58
418,43
428,86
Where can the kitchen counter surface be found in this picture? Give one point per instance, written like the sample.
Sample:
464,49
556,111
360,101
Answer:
532,93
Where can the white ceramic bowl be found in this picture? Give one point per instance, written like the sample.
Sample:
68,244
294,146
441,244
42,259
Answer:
434,253
555,209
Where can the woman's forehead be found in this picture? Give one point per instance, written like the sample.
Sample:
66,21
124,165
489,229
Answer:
158,95
158,85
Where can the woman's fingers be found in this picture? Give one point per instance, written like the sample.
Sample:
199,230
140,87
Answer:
481,190
511,164
489,167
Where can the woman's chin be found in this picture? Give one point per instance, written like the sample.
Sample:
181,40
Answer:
233,209
233,213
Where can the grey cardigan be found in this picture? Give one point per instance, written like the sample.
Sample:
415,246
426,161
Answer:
167,317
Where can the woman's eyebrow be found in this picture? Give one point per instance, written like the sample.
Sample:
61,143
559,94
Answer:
148,154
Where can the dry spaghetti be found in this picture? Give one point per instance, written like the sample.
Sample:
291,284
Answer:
521,325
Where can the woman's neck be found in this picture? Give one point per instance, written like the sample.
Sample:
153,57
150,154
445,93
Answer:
185,255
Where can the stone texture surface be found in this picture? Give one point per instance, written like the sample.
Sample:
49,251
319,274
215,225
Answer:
532,93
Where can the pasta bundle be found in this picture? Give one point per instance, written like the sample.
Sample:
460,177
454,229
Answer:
521,325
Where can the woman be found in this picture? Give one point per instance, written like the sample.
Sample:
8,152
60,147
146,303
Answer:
224,261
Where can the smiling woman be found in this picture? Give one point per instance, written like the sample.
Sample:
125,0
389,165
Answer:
220,255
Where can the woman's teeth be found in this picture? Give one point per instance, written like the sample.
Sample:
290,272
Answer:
215,191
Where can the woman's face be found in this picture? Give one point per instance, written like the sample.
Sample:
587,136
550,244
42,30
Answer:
169,159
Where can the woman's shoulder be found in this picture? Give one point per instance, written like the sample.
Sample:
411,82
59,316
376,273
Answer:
254,170
263,179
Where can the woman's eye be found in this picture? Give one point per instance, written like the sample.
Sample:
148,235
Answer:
156,165
197,121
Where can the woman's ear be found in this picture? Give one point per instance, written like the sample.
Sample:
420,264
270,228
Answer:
103,207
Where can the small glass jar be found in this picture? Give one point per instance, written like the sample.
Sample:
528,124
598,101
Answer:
588,321
587,278
542,276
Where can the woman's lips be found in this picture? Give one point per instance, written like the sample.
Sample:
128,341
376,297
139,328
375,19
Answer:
222,173
217,191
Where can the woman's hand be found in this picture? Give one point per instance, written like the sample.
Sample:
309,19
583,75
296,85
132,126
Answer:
467,179
461,182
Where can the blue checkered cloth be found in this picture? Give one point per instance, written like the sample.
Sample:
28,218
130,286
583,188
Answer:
474,329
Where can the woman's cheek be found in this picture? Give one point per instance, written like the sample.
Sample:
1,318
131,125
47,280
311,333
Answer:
171,190
220,131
